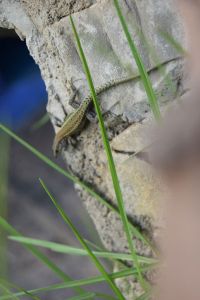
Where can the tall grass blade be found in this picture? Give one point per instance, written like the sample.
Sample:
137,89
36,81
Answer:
38,254
99,266
4,284
142,70
74,179
6,291
171,40
104,296
99,295
65,249
4,164
145,296
88,295
80,282
41,122
107,148
160,65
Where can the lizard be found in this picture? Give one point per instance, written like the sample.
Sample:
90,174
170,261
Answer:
75,121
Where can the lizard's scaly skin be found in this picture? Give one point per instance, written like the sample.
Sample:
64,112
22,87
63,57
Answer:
75,121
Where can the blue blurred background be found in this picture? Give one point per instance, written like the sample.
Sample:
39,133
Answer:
22,91
23,102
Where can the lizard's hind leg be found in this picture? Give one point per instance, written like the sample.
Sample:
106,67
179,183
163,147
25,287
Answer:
58,122
72,101
72,141
92,117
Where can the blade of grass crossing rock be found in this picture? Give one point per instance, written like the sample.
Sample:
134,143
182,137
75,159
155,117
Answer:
81,282
84,244
111,163
142,70
172,41
38,254
145,296
65,249
75,179
156,60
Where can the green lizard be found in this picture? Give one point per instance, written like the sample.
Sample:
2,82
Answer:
75,121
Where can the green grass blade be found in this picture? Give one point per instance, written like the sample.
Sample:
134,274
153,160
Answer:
41,122
74,179
4,165
6,291
145,296
80,282
99,266
104,296
88,295
111,163
65,249
38,254
142,70
103,249
5,283
99,295
171,40
94,246
156,59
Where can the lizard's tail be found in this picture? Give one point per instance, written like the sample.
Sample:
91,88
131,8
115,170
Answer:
56,146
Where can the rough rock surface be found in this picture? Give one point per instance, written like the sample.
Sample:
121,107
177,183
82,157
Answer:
46,28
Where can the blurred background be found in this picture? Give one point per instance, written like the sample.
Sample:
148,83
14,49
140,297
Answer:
23,203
